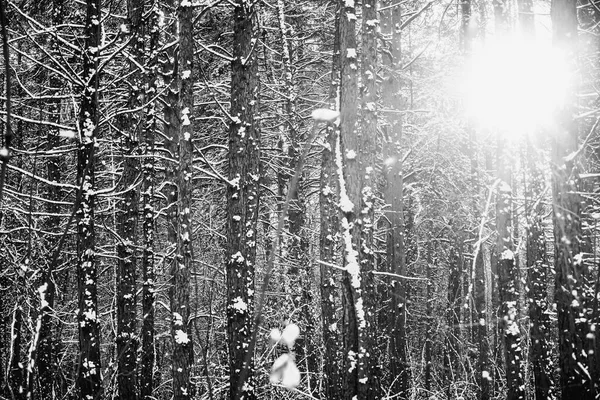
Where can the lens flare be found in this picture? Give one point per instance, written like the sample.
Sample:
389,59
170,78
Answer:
515,86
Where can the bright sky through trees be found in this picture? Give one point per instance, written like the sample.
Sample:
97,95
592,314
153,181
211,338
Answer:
514,85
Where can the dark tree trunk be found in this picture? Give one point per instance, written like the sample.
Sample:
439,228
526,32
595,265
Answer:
15,365
332,388
242,204
508,276
300,271
89,383
395,240
430,319
569,266
364,167
453,334
46,360
537,277
126,216
181,267
353,311
484,367
147,358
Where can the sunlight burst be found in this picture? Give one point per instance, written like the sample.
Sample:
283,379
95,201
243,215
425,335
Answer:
515,86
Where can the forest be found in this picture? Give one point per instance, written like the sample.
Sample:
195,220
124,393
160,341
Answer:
311,199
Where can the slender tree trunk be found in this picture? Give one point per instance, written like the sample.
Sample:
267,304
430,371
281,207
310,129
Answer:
46,360
15,364
430,318
508,276
242,203
453,335
89,383
395,240
537,276
327,240
126,218
346,153
147,359
570,270
181,268
300,269
364,166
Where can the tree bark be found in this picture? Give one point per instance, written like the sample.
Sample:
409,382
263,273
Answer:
569,266
242,203
181,267
328,240
364,166
147,358
127,215
89,383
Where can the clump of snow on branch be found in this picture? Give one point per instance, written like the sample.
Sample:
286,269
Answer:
284,368
325,115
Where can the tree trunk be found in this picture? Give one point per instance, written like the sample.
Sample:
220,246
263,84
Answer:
89,383
242,204
346,163
537,276
181,267
147,358
332,388
508,276
453,334
46,360
126,218
393,194
364,167
569,266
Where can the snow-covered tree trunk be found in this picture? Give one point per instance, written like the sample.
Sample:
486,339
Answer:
46,360
300,270
127,213
453,333
328,239
393,194
429,327
508,276
575,382
242,203
364,166
350,184
182,264
89,380
146,378
537,280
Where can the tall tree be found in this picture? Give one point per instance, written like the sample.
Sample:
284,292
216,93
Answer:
394,196
364,166
355,324
328,211
126,213
146,378
242,203
181,268
89,383
575,382
46,359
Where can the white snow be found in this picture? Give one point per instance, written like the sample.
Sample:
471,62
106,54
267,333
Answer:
181,337
507,255
325,115
239,304
290,334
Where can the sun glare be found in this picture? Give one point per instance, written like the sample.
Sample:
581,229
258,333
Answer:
515,86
